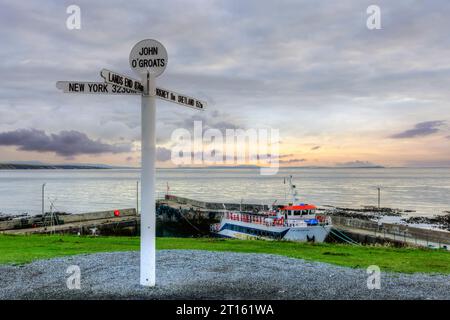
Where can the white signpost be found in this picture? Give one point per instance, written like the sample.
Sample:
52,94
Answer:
148,59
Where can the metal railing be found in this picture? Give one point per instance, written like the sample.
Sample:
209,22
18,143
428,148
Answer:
398,233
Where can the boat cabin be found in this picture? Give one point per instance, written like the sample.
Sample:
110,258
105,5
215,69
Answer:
302,211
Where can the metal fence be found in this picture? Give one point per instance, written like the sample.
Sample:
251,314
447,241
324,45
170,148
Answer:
397,232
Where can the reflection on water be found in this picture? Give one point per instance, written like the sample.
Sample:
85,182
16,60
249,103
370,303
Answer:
425,190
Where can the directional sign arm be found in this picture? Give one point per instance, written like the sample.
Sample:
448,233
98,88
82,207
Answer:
121,80
82,87
181,99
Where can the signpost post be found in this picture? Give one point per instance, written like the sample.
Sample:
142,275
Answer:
148,58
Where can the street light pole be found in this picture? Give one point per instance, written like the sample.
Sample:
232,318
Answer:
43,193
379,197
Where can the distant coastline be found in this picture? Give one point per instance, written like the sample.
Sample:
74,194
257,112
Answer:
87,166
281,167
12,166
17,166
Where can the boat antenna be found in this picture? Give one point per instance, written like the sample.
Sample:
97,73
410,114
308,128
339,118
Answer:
293,191
273,203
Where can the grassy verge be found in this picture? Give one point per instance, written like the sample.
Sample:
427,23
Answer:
23,249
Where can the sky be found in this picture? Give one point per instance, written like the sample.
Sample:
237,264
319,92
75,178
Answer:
339,93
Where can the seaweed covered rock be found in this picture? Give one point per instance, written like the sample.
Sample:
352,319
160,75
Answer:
442,220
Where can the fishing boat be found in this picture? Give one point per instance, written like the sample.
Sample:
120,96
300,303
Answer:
293,221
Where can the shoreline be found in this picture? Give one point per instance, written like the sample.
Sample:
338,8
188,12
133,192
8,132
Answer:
369,213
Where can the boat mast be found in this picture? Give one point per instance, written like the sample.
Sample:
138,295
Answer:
293,191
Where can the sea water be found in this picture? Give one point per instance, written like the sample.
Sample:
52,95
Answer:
424,190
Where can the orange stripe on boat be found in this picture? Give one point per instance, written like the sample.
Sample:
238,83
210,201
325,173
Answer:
300,207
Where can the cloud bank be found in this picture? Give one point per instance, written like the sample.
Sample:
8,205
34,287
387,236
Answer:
420,130
64,143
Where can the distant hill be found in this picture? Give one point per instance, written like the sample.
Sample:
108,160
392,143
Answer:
281,167
220,167
17,166
31,164
338,167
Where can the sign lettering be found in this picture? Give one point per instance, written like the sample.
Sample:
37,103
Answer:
181,99
93,88
148,56
121,80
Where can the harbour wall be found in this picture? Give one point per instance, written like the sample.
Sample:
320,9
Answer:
62,219
212,205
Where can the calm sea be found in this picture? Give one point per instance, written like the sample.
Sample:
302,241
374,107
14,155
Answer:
427,191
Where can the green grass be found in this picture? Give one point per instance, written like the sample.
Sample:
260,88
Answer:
24,249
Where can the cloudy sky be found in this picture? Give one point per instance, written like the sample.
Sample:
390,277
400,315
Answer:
339,93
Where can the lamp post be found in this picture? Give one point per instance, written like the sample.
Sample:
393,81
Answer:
379,197
43,194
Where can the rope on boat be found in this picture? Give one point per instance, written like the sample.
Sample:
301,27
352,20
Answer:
335,237
347,237
344,237
187,220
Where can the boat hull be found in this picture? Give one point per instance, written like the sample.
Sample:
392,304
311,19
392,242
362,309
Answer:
244,230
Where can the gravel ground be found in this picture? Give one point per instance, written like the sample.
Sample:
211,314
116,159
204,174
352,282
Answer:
191,274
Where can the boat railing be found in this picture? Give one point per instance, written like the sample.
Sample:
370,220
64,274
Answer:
246,217
272,220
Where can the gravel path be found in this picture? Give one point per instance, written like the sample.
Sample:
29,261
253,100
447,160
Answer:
190,274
